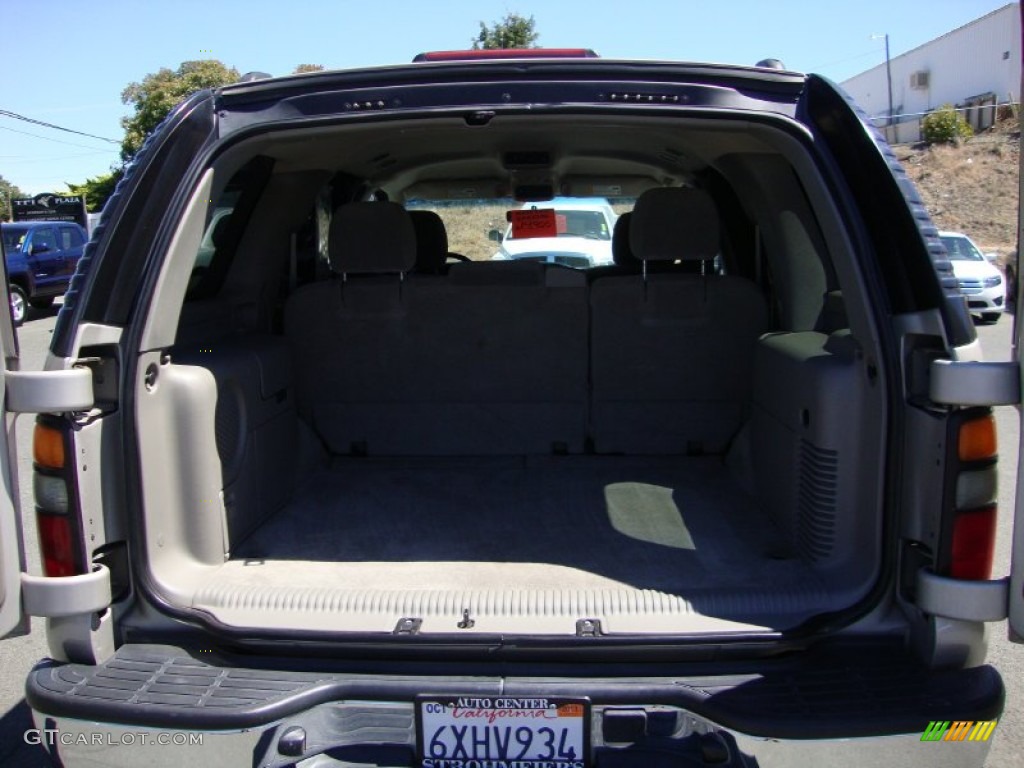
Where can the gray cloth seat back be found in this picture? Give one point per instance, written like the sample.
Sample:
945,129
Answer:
343,333
431,243
671,352
500,355
490,359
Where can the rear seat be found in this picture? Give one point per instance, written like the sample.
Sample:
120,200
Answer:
490,359
501,360
347,335
672,353
431,243
519,358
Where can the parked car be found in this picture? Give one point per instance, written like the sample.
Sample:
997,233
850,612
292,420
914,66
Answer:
41,257
314,506
980,280
580,234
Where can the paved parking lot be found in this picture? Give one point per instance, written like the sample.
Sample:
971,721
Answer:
19,654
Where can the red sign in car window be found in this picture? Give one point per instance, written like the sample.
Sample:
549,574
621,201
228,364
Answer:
534,223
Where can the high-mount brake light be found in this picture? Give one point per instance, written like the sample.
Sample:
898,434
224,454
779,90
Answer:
507,53
56,509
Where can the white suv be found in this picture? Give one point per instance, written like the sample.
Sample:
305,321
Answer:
580,234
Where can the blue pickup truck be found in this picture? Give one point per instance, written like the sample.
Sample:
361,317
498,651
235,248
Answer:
41,258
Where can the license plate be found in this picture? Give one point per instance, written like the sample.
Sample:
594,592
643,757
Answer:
502,732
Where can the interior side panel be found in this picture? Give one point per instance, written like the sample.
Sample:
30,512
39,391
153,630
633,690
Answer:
255,425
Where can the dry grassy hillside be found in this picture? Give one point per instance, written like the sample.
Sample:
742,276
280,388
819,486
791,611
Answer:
468,227
971,188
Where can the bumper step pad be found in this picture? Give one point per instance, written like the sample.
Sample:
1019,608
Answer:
813,694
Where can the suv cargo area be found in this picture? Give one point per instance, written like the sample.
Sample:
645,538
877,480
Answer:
354,448
351,430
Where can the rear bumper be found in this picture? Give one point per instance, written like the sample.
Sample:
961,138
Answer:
156,705
78,743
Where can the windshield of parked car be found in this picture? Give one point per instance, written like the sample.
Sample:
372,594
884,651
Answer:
961,249
480,229
13,238
570,223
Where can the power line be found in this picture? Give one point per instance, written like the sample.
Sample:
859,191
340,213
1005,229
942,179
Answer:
821,67
13,159
16,116
47,138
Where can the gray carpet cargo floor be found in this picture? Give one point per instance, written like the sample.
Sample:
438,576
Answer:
677,525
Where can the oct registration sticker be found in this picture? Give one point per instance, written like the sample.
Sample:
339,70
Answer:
502,732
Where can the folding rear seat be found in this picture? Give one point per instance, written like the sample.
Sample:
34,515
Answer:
672,352
489,360
624,262
431,243
502,359
347,335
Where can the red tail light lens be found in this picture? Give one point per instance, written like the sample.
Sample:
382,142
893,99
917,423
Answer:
57,545
974,540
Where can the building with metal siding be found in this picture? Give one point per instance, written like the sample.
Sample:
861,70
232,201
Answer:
976,68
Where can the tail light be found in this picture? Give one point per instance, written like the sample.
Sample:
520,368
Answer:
56,501
974,538
971,527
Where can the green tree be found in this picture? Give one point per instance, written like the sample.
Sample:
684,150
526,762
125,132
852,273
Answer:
97,189
160,92
308,68
945,126
7,191
514,31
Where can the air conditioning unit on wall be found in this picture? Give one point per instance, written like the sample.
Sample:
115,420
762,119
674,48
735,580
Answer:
919,80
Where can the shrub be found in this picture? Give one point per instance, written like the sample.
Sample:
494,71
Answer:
945,126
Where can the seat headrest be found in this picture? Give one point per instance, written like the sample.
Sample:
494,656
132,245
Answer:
622,254
220,231
431,242
371,237
672,223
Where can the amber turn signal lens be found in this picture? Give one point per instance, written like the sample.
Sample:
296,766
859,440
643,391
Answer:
977,439
48,447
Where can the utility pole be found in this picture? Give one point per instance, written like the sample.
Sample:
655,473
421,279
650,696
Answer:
888,79
888,74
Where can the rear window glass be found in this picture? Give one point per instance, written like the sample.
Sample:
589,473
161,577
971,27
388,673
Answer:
481,230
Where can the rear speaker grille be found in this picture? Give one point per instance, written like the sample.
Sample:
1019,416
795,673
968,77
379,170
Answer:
817,500
229,428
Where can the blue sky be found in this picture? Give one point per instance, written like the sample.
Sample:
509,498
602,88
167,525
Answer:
71,69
